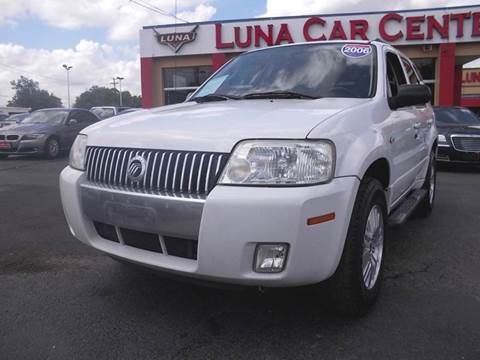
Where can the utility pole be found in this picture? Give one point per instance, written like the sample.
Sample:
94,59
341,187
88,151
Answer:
119,78
114,83
68,68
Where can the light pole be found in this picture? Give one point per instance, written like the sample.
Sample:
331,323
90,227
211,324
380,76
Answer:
119,78
68,68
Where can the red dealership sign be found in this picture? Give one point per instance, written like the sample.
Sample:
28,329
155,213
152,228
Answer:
471,77
409,28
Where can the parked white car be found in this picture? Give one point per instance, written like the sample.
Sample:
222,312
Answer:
283,169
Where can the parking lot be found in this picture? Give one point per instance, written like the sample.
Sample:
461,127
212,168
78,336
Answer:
62,300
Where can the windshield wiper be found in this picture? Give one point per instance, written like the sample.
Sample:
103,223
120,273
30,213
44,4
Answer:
278,95
214,97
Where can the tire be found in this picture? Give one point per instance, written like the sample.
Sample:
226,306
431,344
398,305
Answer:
425,207
52,148
356,283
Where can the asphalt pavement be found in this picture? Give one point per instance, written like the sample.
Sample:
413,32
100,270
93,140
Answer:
62,300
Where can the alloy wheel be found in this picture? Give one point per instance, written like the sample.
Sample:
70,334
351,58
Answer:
372,247
53,148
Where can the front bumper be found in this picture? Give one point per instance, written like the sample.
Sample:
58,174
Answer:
25,147
228,224
450,154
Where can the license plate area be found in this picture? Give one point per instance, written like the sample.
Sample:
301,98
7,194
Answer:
5,145
168,216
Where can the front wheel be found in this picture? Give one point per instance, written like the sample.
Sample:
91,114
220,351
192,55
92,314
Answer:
356,282
52,148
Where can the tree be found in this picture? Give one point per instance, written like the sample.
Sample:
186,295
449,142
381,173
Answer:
131,100
102,96
28,94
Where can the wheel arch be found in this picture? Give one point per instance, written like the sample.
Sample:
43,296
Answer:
53,136
379,169
57,137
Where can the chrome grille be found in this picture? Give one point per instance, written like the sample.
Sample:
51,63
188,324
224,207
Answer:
166,171
466,143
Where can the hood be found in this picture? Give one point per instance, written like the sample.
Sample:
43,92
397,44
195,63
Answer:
216,126
458,129
5,124
22,129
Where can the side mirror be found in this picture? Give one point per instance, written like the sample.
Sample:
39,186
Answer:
410,95
72,122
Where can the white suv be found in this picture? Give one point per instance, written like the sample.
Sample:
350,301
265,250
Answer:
283,169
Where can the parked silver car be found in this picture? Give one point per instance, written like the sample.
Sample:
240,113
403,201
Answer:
13,119
45,132
105,112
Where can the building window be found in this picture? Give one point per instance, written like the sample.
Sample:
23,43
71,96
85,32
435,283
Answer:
427,70
179,82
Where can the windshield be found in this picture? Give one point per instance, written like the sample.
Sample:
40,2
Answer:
46,117
311,70
456,116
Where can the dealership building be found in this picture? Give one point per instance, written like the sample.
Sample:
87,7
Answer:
176,59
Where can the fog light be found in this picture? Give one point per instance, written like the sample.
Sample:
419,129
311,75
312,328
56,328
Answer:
270,258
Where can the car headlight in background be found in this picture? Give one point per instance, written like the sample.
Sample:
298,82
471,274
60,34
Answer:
77,152
32,136
442,140
280,162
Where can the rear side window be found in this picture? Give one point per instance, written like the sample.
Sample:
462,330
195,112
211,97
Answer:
77,115
83,117
395,74
89,117
410,70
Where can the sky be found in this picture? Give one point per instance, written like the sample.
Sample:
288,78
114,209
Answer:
99,38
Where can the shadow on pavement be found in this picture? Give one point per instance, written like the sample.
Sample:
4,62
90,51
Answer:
459,168
32,157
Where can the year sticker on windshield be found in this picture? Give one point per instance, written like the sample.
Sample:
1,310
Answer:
356,50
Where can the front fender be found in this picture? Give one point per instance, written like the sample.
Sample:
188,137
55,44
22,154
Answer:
359,141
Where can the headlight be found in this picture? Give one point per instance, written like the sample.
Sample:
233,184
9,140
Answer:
280,162
77,152
442,139
32,136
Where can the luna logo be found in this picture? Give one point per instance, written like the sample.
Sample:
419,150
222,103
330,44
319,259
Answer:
176,40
